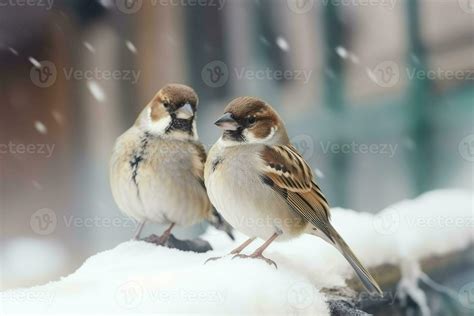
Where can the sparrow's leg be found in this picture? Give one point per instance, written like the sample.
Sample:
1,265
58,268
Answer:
258,253
236,251
166,235
140,226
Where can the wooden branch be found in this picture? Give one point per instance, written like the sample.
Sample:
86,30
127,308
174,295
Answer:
350,300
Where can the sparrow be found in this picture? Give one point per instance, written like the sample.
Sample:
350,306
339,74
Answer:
156,168
264,188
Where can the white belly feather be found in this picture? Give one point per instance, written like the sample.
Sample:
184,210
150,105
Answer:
165,189
239,194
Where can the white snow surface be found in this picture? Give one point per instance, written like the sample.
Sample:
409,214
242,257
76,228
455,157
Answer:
136,277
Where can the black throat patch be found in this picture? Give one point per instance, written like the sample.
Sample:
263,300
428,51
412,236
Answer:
178,124
234,135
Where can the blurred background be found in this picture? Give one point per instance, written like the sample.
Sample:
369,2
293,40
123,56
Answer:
377,95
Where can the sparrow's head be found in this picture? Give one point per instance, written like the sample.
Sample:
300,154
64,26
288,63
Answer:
171,112
251,120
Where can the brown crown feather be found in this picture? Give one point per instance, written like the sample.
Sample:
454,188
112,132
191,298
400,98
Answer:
175,95
267,117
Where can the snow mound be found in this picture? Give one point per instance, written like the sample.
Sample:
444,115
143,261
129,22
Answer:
136,277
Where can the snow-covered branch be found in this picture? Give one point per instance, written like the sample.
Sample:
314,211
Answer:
401,245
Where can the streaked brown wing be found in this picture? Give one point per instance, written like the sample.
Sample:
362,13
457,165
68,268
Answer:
290,176
198,164
287,168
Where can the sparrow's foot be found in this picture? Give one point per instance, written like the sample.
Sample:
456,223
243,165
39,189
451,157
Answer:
256,256
162,240
157,240
153,239
195,245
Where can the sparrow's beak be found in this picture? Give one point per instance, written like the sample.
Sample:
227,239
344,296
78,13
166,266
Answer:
227,123
185,112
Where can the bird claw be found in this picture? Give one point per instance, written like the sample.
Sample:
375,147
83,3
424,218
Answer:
269,261
154,239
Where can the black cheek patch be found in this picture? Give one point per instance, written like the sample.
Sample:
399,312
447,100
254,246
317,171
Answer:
235,135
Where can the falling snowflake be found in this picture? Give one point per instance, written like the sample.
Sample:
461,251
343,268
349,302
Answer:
14,51
41,128
415,59
282,43
36,184
319,173
35,63
371,75
96,91
354,58
131,47
106,3
342,52
89,47
264,40
57,116
330,73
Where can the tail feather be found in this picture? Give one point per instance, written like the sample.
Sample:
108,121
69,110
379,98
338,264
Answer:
220,223
365,277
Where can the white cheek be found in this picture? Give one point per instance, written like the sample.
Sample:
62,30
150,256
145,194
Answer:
159,127
252,139
195,133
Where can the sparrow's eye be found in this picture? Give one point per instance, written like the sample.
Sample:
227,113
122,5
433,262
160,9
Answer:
251,120
166,104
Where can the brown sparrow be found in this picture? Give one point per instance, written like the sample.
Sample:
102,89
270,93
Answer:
156,169
263,187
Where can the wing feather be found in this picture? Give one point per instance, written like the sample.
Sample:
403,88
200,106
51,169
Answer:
291,177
